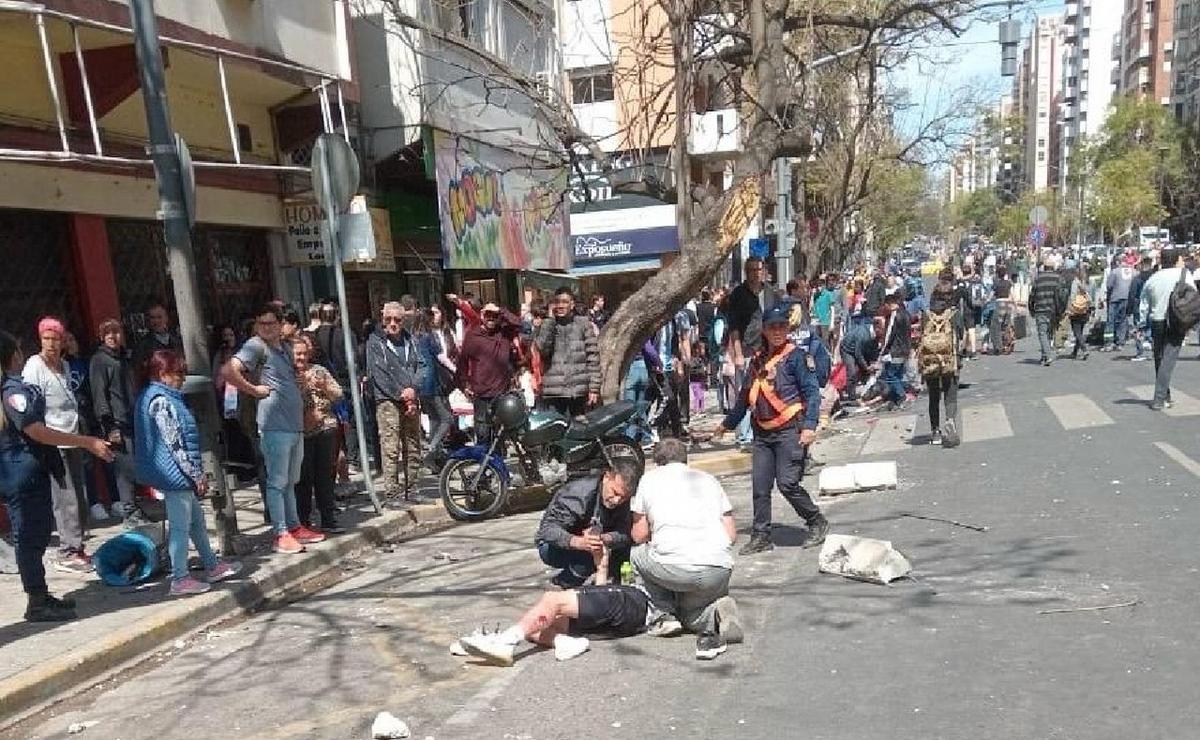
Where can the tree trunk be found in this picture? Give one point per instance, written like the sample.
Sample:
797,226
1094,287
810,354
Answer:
700,257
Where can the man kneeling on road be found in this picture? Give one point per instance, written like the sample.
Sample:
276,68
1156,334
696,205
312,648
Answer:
684,529
586,517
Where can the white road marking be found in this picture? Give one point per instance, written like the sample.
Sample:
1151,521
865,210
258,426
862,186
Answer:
1172,452
1183,404
1077,411
984,422
890,434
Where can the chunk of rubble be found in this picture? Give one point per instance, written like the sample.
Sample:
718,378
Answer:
863,476
388,727
862,559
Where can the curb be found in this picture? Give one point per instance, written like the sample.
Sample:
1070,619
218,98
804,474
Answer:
60,676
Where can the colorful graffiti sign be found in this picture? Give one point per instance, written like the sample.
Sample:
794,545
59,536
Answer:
498,212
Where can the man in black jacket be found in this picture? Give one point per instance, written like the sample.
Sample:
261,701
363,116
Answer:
1045,303
585,517
111,381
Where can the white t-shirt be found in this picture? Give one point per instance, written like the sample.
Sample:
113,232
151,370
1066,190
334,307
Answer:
684,508
62,412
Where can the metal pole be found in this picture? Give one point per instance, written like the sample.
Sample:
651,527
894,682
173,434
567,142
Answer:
342,113
233,139
168,172
58,115
87,91
326,114
339,277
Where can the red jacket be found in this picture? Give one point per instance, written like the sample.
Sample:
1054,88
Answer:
485,360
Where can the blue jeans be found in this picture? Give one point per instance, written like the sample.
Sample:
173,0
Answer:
637,382
893,378
576,565
283,457
186,519
745,433
1117,325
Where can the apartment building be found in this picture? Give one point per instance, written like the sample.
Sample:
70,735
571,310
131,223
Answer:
1185,64
1042,59
1147,41
247,83
1090,28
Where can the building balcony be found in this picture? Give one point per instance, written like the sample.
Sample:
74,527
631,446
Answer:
599,121
715,133
1072,12
709,38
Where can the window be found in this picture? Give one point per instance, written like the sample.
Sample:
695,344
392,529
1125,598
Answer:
591,86
1041,156
1041,143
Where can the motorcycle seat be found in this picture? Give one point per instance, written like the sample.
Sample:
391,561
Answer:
601,422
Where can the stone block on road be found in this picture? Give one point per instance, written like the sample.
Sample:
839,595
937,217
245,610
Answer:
862,559
857,477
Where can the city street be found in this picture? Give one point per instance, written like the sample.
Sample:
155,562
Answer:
1089,499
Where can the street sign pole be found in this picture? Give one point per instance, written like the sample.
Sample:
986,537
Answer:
323,166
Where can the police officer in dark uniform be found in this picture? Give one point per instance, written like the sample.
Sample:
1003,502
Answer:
784,398
27,460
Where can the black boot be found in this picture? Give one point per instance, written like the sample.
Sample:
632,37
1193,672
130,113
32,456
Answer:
818,527
759,542
65,602
46,608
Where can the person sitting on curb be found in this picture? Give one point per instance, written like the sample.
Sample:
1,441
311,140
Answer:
585,517
683,529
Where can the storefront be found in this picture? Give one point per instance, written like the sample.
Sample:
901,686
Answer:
40,276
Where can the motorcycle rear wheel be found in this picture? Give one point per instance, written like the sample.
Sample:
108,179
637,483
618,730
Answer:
466,502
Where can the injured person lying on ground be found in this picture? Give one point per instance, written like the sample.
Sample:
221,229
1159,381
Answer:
560,619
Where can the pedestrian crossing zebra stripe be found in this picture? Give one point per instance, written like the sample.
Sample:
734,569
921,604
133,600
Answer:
1182,404
890,434
1077,411
984,422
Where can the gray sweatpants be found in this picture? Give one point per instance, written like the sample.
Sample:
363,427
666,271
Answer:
687,591
70,500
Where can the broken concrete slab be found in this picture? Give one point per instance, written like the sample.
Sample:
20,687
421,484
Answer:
863,476
388,726
862,558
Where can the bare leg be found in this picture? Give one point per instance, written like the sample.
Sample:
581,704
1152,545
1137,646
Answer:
549,617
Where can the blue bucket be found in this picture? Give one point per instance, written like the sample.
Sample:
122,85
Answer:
127,559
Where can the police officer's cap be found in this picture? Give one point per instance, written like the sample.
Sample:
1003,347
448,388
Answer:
777,314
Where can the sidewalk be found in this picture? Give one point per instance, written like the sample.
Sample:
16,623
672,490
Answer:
40,663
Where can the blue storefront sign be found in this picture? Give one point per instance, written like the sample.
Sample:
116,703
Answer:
623,234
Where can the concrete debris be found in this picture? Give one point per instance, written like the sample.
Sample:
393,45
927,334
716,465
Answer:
456,648
857,477
447,557
77,727
388,727
862,559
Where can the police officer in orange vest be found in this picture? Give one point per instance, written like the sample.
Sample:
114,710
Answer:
784,399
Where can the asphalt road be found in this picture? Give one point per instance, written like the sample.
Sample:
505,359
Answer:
1089,499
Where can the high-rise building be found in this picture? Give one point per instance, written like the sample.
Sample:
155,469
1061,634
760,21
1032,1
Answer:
1147,38
1186,62
1041,98
1090,28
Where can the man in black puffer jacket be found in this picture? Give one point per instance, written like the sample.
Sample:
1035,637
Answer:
111,387
570,357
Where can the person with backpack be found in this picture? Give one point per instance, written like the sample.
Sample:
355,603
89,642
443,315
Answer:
783,398
1079,311
978,296
937,361
1173,305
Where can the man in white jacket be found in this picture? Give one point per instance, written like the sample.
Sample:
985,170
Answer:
1156,296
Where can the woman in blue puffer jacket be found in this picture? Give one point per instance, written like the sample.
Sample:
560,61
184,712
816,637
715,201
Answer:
167,454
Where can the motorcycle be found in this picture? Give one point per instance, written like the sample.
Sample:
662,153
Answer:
549,448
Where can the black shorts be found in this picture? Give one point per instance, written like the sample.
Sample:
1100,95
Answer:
618,611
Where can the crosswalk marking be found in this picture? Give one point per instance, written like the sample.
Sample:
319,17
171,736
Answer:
1182,403
1077,411
1173,452
889,434
984,422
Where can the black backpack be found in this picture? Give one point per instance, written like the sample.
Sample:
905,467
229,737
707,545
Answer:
1183,307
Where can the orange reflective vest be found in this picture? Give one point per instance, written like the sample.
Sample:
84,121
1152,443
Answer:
768,410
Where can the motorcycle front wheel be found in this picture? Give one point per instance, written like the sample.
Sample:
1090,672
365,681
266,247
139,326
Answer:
467,499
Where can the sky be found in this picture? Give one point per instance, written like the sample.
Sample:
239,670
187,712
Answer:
948,65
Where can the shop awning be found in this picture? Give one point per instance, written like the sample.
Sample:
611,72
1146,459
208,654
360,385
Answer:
615,267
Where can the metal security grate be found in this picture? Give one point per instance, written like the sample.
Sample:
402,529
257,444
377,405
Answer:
139,260
37,278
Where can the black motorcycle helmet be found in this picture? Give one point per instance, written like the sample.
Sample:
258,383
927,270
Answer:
510,410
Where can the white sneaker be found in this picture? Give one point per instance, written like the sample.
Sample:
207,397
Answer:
98,513
488,647
567,647
665,626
